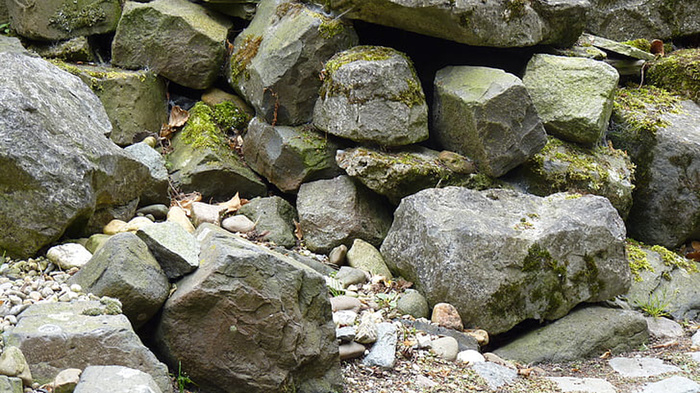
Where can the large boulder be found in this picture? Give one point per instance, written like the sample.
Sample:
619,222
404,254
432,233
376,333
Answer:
337,211
372,94
584,333
662,136
57,336
277,59
630,19
60,173
573,95
177,39
501,257
288,156
502,23
53,20
124,269
259,321
487,115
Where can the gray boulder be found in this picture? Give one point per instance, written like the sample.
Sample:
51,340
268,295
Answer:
552,253
12,44
124,269
337,211
156,190
563,166
4,16
175,249
177,39
57,336
573,95
372,94
487,115
273,215
11,384
627,20
288,156
584,333
476,22
63,164
261,322
277,59
115,379
662,136
244,9
401,173
52,20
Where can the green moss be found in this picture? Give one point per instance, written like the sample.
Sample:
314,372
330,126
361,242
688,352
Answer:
515,9
93,312
538,258
641,108
670,258
72,16
96,77
679,72
330,27
201,129
242,57
637,259
229,117
640,43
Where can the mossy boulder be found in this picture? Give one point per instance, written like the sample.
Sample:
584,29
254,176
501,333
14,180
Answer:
573,96
502,257
487,115
277,59
74,49
372,94
202,159
660,133
177,39
678,72
53,20
563,166
289,156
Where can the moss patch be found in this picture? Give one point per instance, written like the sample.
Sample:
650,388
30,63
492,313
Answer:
637,259
203,131
678,72
670,258
72,16
641,44
230,117
242,57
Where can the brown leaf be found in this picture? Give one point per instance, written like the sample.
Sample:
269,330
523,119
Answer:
187,200
665,345
525,372
166,131
606,355
178,117
233,204
695,244
657,48
297,230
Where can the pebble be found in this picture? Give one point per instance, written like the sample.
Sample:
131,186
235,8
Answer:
383,352
446,315
445,347
337,255
494,374
470,356
350,276
68,255
204,212
345,334
239,223
66,380
411,302
345,303
158,211
344,318
664,328
351,350
137,223
113,227
481,336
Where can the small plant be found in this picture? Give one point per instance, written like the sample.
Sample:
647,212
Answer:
4,28
182,379
656,306
387,300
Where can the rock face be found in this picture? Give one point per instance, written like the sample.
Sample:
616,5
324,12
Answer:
513,256
288,156
277,60
124,269
55,155
177,39
475,22
627,20
175,249
261,322
156,187
56,336
663,140
62,19
487,115
372,94
573,96
337,211
584,333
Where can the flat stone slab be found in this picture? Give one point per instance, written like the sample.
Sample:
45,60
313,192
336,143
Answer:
641,367
675,384
494,374
593,385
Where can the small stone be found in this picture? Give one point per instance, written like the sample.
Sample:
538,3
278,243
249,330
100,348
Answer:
337,255
68,296
383,353
664,328
363,255
204,212
367,331
11,319
423,340
641,367
495,374
423,382
470,356
76,288
445,347
481,336
14,299
66,380
137,223
493,358
13,364
411,302
344,318
96,241
177,215
35,296
339,303
69,255
114,227
350,276
351,350
239,223
158,211
445,314
345,334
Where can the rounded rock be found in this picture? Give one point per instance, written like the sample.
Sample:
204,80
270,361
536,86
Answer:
446,315
470,356
238,223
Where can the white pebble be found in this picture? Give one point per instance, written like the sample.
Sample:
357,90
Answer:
11,319
69,255
35,295
68,296
14,299
46,292
470,356
76,288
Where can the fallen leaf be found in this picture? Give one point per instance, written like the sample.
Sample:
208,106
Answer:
178,117
606,355
525,372
665,345
186,201
297,230
695,255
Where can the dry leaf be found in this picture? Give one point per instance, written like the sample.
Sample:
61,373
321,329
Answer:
525,372
187,200
667,344
695,244
606,355
178,117
297,230
166,131
233,204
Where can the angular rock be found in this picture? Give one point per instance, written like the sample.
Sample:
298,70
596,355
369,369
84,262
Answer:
135,101
95,242
289,156
676,72
399,174
345,303
366,257
584,333
446,315
67,380
345,334
57,336
11,384
273,215
14,364
62,19
349,276
664,328
239,8
124,269
116,379
156,187
674,384
372,94
277,59
615,47
474,22
12,44
176,251
65,165
411,302
625,20
563,166
662,136
383,352
466,342
177,39
554,253
75,49
261,321
204,212
641,367
337,211
4,17
69,255
592,385
487,115
494,374
573,96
